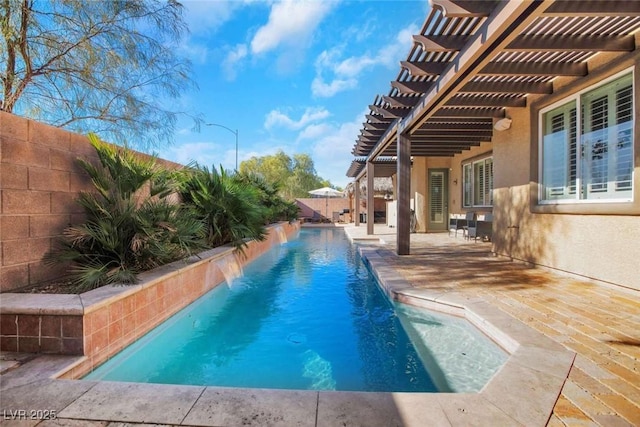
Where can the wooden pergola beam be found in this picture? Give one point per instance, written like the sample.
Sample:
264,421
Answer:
486,101
401,101
535,69
390,112
565,42
435,122
463,8
377,118
431,143
417,69
458,128
441,43
411,87
437,154
376,126
593,8
508,87
453,133
470,112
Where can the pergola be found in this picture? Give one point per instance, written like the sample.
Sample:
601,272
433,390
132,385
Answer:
471,61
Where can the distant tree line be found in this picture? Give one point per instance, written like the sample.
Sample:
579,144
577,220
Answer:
294,176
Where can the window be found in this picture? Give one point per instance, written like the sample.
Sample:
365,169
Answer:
587,145
477,178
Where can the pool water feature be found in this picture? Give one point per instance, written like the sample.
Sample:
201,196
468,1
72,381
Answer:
308,315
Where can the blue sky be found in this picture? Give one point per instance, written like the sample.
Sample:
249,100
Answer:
291,75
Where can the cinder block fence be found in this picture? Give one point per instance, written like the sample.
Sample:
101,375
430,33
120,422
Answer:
39,183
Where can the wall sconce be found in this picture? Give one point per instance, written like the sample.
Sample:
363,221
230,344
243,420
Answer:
503,124
455,181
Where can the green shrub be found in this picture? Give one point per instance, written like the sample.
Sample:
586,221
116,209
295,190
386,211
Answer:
131,223
229,207
276,207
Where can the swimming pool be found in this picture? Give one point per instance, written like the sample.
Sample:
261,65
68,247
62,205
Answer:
308,315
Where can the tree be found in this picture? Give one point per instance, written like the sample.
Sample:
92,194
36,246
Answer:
295,177
95,65
273,168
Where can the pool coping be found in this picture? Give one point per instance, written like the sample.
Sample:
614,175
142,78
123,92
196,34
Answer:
523,391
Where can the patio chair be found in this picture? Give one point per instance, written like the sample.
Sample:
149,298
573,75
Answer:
317,216
456,223
485,228
470,228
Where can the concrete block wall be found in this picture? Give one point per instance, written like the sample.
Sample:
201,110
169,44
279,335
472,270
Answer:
335,204
39,183
324,206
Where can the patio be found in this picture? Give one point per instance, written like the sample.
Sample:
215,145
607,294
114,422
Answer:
597,322
600,323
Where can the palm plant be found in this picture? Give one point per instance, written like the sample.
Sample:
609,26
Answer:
276,207
229,207
131,223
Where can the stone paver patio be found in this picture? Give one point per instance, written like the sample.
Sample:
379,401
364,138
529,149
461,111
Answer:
600,323
587,345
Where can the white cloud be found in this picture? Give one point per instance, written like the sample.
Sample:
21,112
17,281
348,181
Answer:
315,131
290,22
208,154
330,145
230,65
277,118
345,72
204,17
196,52
331,151
326,90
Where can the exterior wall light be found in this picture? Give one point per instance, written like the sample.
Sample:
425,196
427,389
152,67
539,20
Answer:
503,124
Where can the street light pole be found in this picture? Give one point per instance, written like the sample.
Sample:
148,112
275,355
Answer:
235,132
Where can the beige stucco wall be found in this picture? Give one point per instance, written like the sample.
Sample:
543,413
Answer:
419,192
602,247
420,187
455,177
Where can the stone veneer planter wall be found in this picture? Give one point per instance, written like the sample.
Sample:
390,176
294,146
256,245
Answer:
100,323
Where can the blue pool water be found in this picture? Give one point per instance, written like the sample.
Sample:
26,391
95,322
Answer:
306,315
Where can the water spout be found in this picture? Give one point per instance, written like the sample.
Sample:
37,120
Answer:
230,267
281,234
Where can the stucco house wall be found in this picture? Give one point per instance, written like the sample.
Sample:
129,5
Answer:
598,245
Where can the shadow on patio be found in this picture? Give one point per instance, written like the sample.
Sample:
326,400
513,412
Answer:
599,322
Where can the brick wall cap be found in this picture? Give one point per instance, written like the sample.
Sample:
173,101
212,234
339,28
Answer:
41,304
105,295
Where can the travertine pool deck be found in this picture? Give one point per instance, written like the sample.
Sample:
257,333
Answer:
574,361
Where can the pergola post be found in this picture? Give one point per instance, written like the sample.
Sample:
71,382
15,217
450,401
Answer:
370,203
356,204
404,195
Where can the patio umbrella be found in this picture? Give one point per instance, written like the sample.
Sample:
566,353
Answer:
326,192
